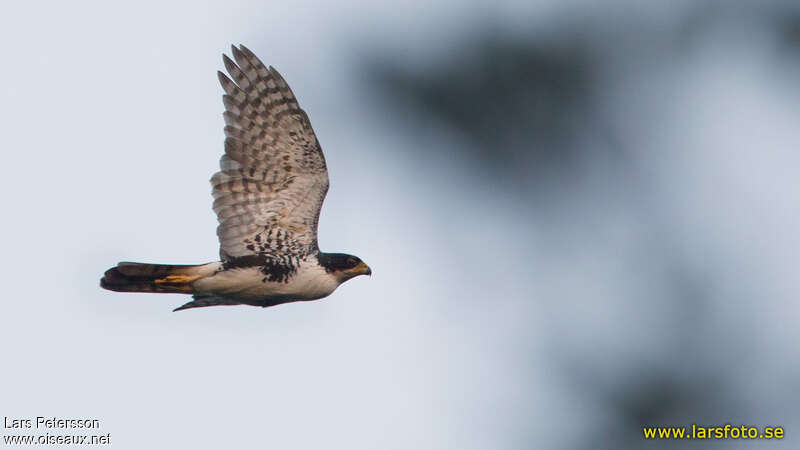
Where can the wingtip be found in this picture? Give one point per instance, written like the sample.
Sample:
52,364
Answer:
246,50
238,55
227,83
229,65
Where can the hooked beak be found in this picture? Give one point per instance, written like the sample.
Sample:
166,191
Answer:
362,269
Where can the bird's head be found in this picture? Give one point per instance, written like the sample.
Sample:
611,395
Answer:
343,266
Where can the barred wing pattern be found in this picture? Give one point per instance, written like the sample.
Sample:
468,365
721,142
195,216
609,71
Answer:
273,178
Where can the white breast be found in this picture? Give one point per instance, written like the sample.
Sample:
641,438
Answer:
309,282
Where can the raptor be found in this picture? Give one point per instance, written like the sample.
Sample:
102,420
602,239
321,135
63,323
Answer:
267,196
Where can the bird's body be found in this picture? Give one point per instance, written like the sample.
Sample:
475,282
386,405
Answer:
267,197
310,282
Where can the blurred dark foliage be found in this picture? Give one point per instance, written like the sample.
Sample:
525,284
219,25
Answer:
519,101
788,26
525,101
527,106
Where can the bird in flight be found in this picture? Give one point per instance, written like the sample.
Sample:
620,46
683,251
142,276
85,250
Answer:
267,197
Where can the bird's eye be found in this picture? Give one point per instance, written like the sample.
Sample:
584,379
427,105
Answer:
351,262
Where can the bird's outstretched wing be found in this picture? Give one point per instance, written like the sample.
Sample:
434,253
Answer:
272,179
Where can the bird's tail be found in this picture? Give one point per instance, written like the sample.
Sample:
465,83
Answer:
140,277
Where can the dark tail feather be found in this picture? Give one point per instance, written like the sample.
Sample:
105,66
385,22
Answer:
202,300
163,278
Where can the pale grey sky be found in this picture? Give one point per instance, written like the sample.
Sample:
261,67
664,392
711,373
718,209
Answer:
112,126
